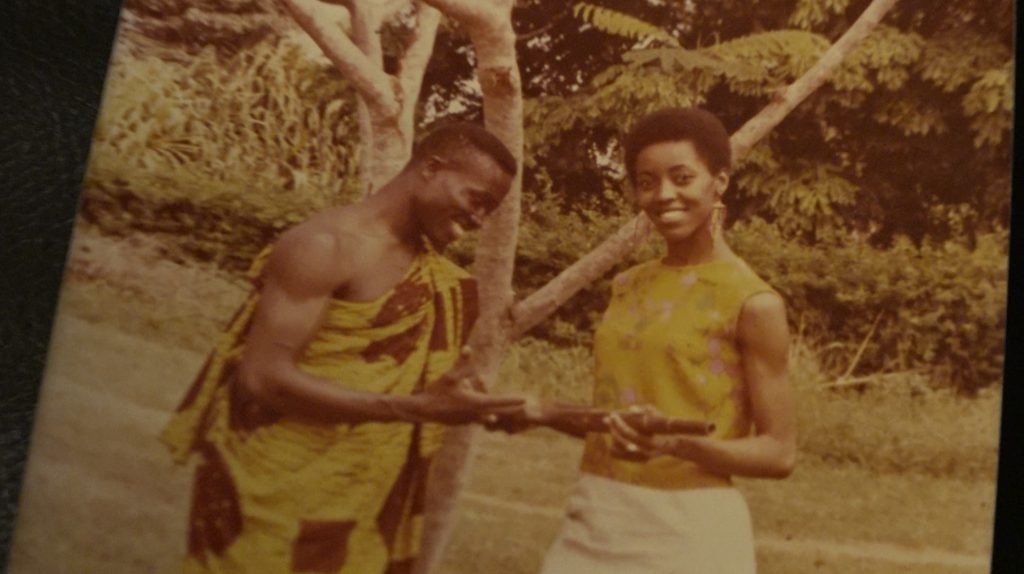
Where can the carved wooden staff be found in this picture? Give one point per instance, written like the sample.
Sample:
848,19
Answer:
579,420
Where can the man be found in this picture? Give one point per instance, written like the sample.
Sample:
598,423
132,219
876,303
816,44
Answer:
356,324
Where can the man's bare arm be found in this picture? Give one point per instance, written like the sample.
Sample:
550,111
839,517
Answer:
304,270
771,451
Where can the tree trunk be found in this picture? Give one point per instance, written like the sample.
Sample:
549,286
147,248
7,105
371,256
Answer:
489,25
387,105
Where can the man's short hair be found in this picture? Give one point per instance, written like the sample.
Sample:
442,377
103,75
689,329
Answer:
448,141
701,127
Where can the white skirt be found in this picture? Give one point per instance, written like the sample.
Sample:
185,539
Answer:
617,528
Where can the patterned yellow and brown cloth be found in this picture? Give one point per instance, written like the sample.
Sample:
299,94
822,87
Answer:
273,494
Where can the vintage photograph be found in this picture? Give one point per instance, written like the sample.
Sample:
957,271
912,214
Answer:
533,287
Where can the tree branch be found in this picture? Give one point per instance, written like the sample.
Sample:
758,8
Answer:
534,33
365,34
489,25
375,86
787,99
417,53
366,22
476,14
543,302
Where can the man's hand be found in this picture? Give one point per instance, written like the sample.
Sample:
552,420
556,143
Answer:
527,417
459,397
459,403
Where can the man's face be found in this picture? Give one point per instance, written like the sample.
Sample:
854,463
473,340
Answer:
675,188
458,195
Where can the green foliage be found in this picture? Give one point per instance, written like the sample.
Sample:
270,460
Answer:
659,77
912,117
954,59
268,129
218,153
989,104
620,24
751,65
811,13
884,59
939,307
807,200
550,240
886,132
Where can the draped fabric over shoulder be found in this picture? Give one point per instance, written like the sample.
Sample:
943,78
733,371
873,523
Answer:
274,494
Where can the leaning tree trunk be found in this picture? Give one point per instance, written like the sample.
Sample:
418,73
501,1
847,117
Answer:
387,104
489,25
543,302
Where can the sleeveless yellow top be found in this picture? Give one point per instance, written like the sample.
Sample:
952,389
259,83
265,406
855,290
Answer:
668,339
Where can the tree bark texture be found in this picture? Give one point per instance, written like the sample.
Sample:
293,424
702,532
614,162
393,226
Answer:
489,25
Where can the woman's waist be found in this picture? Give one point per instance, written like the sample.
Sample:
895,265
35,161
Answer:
662,473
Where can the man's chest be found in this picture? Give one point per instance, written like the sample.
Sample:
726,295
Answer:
375,274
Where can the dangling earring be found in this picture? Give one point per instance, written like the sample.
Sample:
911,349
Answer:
717,218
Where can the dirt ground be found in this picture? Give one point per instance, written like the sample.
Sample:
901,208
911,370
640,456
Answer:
102,495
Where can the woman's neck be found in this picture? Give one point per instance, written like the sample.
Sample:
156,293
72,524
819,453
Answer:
701,247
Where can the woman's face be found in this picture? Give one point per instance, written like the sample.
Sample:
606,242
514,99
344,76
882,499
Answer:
675,188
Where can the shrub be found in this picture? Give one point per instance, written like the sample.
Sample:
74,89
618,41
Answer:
938,308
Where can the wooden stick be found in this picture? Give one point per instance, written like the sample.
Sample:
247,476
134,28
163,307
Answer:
579,420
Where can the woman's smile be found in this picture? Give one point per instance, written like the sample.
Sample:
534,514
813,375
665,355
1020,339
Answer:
672,215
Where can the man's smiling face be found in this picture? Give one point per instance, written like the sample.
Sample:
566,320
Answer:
458,194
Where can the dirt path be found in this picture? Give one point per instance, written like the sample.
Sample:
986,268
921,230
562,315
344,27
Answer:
891,553
100,493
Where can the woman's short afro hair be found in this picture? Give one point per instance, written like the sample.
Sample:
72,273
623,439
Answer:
695,125
450,141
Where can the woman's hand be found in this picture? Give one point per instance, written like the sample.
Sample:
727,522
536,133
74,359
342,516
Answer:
630,443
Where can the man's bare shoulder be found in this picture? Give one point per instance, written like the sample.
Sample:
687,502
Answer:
316,256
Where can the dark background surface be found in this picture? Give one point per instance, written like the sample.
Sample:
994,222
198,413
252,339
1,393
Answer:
53,57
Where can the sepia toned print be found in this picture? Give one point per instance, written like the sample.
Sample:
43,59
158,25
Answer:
869,191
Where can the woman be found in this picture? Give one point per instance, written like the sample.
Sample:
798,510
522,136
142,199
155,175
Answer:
695,335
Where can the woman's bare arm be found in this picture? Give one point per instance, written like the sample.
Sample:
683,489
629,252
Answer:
771,452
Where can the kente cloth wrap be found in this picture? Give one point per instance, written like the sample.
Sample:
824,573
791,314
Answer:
273,494
668,339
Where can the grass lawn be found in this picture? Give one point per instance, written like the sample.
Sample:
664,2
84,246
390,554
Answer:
888,480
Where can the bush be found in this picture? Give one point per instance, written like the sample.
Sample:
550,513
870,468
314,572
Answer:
938,308
219,158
